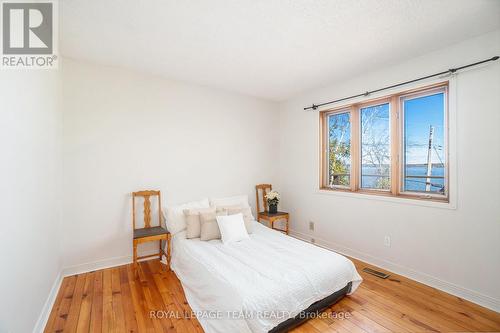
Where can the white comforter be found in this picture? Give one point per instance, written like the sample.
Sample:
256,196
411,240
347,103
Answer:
253,285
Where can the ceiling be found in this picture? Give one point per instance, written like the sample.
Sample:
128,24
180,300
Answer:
272,49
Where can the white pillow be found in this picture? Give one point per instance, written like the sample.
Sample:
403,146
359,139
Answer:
176,220
232,228
246,211
240,200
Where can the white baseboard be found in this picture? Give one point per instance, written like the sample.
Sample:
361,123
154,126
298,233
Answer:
102,264
451,288
77,269
47,307
92,266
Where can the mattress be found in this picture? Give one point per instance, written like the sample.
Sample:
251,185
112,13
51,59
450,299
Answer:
255,284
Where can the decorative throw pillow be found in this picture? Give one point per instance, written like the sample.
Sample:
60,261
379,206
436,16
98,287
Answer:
175,219
232,228
209,229
246,211
248,218
238,200
193,223
230,209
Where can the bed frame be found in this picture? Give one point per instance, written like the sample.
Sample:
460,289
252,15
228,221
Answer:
312,310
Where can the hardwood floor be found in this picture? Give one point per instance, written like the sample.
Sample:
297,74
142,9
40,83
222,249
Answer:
112,300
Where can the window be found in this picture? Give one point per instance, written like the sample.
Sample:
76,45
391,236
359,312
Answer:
339,149
396,145
375,147
423,149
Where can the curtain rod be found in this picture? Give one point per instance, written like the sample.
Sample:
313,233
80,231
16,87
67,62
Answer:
449,71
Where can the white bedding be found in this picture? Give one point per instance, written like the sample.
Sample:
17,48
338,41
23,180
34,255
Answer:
255,284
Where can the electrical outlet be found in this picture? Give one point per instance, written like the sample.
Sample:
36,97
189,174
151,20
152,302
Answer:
313,240
311,225
387,241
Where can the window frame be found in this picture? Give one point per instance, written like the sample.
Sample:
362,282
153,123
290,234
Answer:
427,92
327,142
396,135
360,106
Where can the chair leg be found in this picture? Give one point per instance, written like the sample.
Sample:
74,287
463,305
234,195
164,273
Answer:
286,226
135,254
169,250
135,264
160,253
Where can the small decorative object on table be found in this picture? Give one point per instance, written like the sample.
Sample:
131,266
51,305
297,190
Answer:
270,215
273,198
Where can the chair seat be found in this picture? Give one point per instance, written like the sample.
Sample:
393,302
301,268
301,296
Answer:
148,232
265,215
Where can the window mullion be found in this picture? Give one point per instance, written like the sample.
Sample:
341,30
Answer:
323,134
355,157
395,145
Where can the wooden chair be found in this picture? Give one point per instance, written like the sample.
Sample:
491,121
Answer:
149,233
265,215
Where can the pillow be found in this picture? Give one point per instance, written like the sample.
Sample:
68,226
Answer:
238,200
232,228
209,229
193,226
176,221
248,218
246,211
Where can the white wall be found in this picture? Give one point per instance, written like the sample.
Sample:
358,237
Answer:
454,249
30,178
124,132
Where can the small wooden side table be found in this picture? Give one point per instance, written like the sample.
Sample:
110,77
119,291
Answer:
272,217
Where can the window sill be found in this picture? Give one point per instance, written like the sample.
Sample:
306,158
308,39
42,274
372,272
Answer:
404,200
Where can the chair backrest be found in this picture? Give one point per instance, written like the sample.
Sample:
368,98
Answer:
264,188
147,206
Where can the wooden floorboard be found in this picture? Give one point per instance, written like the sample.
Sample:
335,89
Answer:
120,299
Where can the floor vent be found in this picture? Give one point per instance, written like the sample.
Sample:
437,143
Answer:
376,273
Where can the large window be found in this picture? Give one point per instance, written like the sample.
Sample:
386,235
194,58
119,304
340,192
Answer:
396,145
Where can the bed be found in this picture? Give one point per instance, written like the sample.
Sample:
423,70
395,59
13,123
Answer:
259,285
